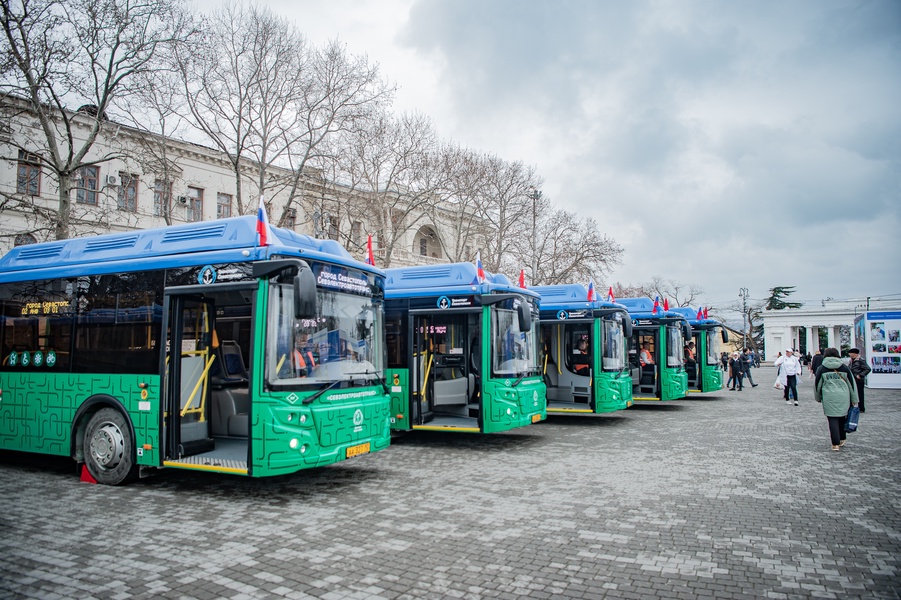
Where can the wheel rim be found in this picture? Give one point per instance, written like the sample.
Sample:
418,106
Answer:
108,446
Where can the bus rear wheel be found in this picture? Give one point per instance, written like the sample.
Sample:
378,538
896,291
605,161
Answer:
109,448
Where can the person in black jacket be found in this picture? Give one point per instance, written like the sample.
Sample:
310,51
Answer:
738,371
816,361
747,361
860,369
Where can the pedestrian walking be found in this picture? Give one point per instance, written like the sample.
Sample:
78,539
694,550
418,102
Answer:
860,369
834,387
724,358
747,361
815,362
791,368
736,367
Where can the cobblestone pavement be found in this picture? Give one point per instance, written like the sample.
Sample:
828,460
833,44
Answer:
727,495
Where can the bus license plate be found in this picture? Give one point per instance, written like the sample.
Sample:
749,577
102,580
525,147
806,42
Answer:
536,418
357,450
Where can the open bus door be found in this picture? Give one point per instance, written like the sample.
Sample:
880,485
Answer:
190,355
444,378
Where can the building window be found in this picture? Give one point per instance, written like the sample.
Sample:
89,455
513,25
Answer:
356,233
423,246
162,193
195,205
29,174
23,239
290,218
86,181
223,205
128,192
333,223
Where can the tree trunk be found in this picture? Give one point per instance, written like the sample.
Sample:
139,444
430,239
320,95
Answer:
63,212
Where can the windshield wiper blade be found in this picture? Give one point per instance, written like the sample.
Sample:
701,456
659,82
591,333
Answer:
321,391
519,380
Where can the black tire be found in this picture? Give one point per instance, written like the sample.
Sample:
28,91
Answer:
109,450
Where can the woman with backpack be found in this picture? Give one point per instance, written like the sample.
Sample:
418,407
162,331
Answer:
834,387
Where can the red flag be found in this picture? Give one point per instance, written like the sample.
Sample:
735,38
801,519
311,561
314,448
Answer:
665,304
705,312
370,257
610,297
522,278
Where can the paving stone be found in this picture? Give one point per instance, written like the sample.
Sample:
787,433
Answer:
715,496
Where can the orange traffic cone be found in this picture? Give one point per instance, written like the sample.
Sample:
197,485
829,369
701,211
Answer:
86,475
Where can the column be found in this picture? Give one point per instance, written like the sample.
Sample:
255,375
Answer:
830,337
808,339
815,334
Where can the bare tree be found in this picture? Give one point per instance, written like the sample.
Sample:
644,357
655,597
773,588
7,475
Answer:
682,294
62,53
572,249
507,211
391,161
344,95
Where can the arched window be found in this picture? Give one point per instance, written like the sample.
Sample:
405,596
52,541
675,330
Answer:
23,239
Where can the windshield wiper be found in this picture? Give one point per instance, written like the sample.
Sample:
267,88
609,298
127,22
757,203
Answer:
321,391
519,380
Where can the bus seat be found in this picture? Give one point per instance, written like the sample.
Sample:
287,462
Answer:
230,409
648,377
233,359
451,391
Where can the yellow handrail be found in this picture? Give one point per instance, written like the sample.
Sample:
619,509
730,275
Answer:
425,381
200,380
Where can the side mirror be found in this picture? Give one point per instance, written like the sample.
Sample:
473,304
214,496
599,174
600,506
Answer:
524,311
305,294
627,327
686,330
725,335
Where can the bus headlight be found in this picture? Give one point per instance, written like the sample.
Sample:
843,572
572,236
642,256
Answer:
293,443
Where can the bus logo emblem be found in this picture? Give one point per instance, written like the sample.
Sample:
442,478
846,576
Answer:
358,417
207,275
443,302
562,315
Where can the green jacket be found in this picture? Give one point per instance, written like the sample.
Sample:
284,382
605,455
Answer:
834,387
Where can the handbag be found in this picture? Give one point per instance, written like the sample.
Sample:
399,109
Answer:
777,384
852,419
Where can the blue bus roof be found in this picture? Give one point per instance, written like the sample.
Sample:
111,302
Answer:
691,315
570,296
643,308
220,241
452,278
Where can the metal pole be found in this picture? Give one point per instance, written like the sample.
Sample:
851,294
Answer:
743,293
534,195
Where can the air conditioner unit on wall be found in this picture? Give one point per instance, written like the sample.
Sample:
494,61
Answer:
112,180
183,200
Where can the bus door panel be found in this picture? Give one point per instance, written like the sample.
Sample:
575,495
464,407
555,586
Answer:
190,356
648,375
421,365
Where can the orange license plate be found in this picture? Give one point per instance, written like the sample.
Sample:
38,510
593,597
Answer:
536,418
357,450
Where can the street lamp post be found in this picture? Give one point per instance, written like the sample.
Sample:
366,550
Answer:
534,195
743,294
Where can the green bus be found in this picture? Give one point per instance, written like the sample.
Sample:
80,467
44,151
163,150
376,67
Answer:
462,350
656,350
585,361
193,347
703,370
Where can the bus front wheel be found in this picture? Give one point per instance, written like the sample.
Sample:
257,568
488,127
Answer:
109,448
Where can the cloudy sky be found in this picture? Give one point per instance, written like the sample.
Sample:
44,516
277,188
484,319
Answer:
726,144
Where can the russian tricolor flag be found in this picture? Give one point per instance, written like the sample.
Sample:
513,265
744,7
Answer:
370,257
590,290
656,304
700,316
263,230
480,272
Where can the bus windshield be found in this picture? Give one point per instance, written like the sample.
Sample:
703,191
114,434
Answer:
513,352
341,343
713,346
614,343
674,346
